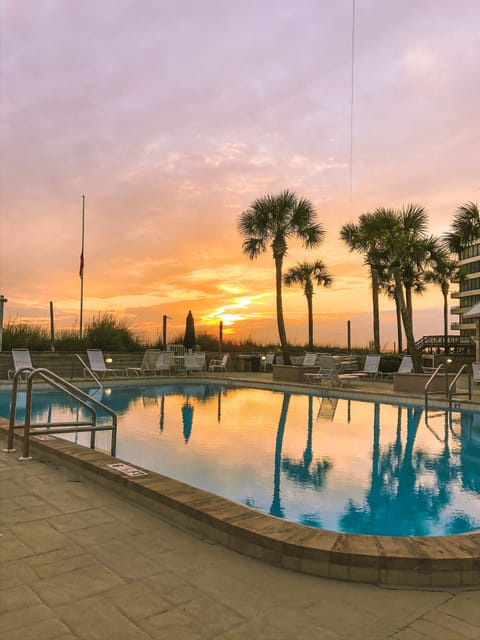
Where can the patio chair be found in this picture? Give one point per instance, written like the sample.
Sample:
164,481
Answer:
165,363
192,363
370,367
405,366
202,359
149,361
21,359
219,365
96,363
476,372
329,372
310,359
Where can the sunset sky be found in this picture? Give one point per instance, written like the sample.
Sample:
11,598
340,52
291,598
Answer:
172,117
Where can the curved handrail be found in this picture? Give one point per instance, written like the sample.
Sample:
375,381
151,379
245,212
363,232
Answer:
429,382
70,390
87,368
451,386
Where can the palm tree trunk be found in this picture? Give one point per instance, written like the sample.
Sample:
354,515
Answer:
280,321
310,322
398,316
376,312
445,318
409,303
407,323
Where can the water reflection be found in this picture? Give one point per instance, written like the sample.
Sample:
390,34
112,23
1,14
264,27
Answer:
351,466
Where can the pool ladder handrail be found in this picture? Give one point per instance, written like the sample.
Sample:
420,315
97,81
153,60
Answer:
70,390
87,368
449,387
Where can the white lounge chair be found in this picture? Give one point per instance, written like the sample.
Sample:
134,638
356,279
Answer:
329,372
96,363
219,365
370,368
310,359
165,363
149,361
21,359
405,366
192,364
476,372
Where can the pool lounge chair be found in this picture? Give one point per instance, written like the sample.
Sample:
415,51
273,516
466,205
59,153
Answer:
268,360
406,366
21,359
329,372
219,365
150,358
192,364
96,363
370,367
476,372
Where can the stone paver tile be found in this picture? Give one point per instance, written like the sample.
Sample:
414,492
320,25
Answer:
40,537
23,617
14,574
136,517
76,585
98,619
408,634
12,548
80,520
56,566
152,543
41,511
434,631
13,598
172,587
466,606
52,629
201,618
99,534
451,622
125,561
137,600
261,629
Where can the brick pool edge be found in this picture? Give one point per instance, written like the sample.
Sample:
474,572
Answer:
444,561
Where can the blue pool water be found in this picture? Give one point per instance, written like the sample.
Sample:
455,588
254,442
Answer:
335,463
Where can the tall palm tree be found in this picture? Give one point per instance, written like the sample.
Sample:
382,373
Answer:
272,221
404,242
465,227
306,274
443,271
363,238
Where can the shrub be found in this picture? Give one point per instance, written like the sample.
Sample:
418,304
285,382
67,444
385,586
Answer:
108,333
20,335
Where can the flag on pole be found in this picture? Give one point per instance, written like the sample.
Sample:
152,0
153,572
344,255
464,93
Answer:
81,265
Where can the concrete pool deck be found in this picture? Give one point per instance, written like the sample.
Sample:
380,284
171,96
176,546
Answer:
82,561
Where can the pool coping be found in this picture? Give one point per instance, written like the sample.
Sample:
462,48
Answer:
443,561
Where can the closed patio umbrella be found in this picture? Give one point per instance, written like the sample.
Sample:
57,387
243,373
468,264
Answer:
189,340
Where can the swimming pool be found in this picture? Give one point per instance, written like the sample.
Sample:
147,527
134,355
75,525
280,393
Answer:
334,463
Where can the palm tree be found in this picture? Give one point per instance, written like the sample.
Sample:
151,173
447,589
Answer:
443,272
272,221
405,246
464,229
363,238
306,274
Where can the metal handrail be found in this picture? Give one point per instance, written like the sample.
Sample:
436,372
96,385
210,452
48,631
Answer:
84,399
452,385
87,368
429,382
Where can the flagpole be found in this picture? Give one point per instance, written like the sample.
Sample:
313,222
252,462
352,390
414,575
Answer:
81,267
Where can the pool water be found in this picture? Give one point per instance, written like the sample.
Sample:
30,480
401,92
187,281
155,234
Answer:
341,464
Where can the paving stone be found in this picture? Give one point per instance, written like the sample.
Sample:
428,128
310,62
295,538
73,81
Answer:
40,537
464,606
23,617
98,619
16,573
52,629
197,619
80,520
138,600
17,597
76,585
